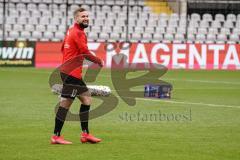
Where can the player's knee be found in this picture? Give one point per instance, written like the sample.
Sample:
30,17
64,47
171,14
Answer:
66,102
86,100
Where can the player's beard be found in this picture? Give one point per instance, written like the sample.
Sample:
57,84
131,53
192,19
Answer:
83,25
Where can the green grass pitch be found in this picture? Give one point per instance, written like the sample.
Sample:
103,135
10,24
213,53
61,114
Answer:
208,103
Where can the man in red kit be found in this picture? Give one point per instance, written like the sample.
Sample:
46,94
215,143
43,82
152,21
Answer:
74,51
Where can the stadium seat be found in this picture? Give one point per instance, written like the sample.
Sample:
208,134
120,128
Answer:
200,38
21,6
63,7
228,24
190,38
31,7
160,30
204,24
179,38
92,36
47,36
44,20
107,29
26,1
182,23
111,15
130,29
162,23
171,30
99,22
11,6
163,16
42,7
59,36
146,37
225,31
157,38
141,22
138,29
29,27
48,1
221,38
149,30
36,35
236,31
109,22
195,17
99,2
13,13
106,8
35,14
168,38
17,27
24,35
143,16
114,37
231,17
96,29
109,2
238,17
174,17
117,29
117,2
211,38
103,37
153,16
53,7
78,1
89,2
11,20
207,17
216,24
219,17
13,35
234,38
193,23
22,20
61,28
40,28
135,37
8,27
192,30
213,30
173,23
47,13
152,23
36,1
14,1
55,21
202,31
59,1
181,30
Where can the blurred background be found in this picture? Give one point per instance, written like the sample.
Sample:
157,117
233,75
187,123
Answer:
177,21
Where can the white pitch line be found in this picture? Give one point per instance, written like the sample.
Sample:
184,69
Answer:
186,103
202,81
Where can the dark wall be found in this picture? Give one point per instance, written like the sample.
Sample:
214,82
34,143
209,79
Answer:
214,7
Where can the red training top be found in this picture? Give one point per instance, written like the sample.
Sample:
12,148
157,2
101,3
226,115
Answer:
75,49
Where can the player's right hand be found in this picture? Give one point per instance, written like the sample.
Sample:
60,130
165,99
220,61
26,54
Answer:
101,64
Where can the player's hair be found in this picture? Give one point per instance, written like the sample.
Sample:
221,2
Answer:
78,10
